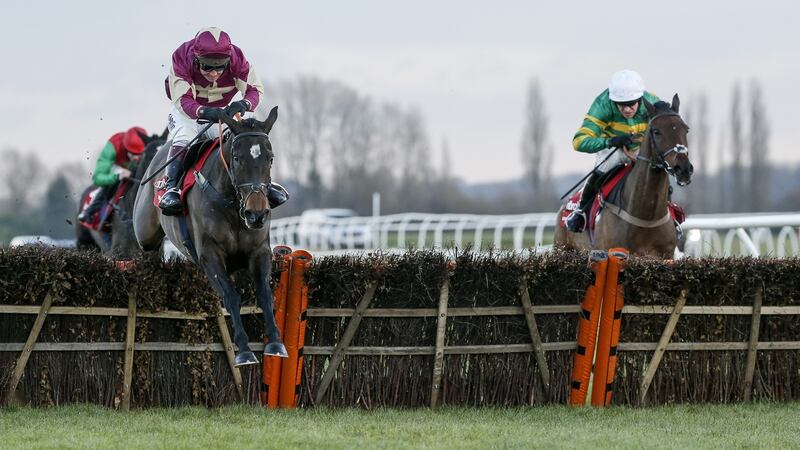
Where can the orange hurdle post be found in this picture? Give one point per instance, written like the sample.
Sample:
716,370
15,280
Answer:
295,317
610,321
587,329
272,364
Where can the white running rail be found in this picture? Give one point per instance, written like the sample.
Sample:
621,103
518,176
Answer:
767,234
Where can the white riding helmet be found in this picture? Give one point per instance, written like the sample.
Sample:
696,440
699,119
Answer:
626,85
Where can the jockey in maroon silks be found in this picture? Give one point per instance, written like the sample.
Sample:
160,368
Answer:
117,161
207,72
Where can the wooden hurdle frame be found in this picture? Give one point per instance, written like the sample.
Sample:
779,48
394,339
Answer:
528,308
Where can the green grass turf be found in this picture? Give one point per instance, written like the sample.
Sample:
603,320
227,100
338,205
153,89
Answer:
739,426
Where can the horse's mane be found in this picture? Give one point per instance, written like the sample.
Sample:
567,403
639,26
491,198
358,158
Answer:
661,107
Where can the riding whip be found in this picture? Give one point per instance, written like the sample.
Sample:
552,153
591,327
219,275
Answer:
180,153
589,174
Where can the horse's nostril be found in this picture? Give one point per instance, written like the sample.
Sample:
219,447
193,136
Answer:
691,169
254,218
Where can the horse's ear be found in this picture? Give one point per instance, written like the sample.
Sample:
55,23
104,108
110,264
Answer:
651,110
164,134
273,116
676,103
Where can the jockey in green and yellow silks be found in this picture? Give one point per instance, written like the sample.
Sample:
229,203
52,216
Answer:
616,120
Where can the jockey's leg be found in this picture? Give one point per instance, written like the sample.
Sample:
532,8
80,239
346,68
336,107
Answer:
170,202
87,215
576,221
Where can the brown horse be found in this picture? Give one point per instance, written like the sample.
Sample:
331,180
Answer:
227,226
641,222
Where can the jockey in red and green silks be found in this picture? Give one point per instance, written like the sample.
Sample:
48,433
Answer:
117,161
616,119
207,72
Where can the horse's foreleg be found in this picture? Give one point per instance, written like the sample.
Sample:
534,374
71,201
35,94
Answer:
221,282
146,226
260,269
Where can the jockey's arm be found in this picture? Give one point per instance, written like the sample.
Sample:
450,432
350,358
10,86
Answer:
245,79
590,138
103,175
250,87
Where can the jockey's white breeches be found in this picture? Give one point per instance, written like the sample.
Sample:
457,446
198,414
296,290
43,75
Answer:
619,158
183,128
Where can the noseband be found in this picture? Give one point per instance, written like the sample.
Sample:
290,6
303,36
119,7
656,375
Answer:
661,162
249,188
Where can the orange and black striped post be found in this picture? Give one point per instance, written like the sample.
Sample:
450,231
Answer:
587,329
610,322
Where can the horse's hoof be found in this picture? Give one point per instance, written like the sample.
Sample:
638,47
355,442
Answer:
245,359
275,349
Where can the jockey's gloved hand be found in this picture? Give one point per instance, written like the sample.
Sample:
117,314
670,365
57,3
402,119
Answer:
211,113
238,107
621,141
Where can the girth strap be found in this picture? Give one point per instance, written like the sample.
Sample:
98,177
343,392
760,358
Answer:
624,215
186,237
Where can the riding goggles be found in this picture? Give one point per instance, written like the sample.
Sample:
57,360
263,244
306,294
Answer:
631,103
209,68
215,64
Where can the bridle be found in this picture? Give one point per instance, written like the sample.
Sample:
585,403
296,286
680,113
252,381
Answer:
249,188
659,162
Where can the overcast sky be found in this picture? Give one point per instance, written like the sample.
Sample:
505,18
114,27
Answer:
76,72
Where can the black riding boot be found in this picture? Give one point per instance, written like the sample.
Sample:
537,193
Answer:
170,202
87,215
277,195
576,222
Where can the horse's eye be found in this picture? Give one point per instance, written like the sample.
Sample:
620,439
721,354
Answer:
656,131
236,158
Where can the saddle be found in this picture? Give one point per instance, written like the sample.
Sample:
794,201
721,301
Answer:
610,192
193,162
102,220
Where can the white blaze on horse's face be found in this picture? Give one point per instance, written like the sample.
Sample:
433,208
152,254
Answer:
255,151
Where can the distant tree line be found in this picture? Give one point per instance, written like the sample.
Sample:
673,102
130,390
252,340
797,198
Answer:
334,147
37,200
